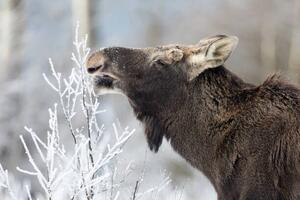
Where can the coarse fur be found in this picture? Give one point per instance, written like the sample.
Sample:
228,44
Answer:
244,138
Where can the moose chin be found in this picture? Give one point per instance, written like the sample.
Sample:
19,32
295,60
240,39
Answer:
245,138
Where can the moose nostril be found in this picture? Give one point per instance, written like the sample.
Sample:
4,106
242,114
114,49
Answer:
93,69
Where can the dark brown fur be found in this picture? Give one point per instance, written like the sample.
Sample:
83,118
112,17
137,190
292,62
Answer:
244,138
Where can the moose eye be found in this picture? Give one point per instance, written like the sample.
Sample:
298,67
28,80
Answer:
161,62
93,69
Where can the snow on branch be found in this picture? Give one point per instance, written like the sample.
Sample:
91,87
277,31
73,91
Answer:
82,171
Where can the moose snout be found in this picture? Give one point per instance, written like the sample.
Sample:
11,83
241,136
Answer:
95,63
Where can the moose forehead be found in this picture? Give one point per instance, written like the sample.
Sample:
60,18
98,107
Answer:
116,54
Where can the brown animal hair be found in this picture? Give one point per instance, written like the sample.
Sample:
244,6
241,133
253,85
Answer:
244,138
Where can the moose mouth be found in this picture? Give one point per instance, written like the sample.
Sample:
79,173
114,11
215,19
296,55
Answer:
104,80
105,84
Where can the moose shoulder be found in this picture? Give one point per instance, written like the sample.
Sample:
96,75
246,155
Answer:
244,138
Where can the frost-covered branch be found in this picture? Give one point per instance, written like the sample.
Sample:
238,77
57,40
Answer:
86,168
10,188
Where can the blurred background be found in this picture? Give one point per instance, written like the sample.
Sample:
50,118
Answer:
31,31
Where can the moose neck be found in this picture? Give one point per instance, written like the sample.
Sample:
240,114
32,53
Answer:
198,119
198,130
214,86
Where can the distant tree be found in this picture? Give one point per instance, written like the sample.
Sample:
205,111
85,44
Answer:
268,43
12,31
83,12
12,24
294,58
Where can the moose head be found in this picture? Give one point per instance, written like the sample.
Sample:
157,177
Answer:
156,78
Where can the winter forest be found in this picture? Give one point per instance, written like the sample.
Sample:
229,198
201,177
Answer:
59,141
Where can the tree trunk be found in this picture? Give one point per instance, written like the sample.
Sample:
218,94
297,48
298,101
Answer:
11,30
12,25
294,59
82,14
268,45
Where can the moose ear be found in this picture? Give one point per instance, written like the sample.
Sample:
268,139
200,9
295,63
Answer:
170,56
218,51
209,53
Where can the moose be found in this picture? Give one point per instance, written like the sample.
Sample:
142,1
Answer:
244,138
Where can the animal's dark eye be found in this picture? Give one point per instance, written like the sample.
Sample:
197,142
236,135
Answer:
93,69
161,62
